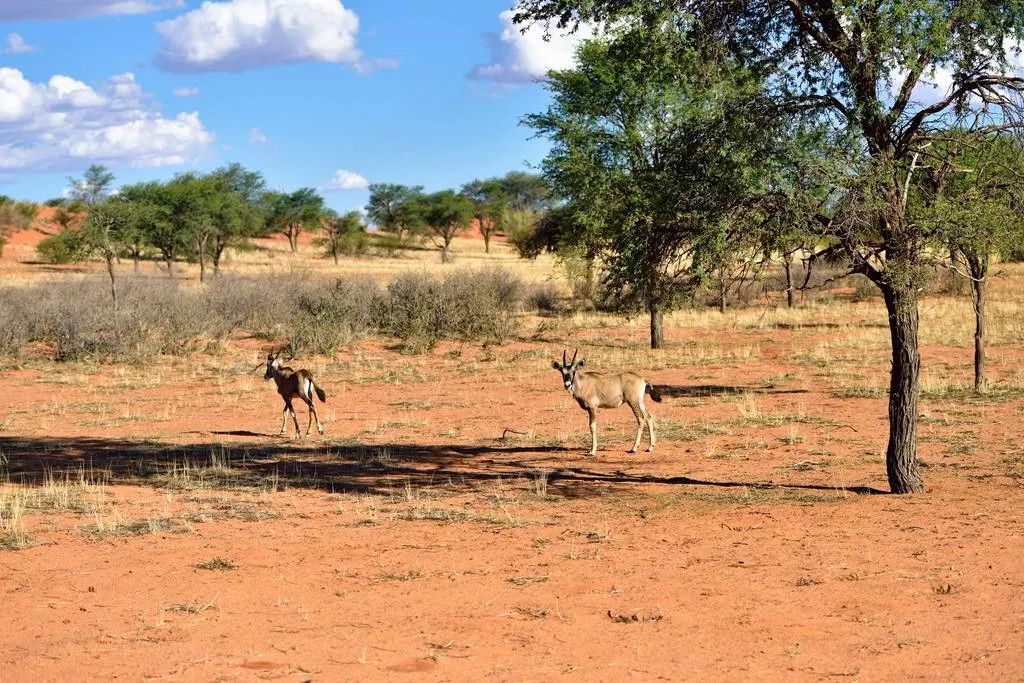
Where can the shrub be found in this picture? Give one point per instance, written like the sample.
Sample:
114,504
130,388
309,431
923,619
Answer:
421,310
64,247
157,316
543,298
323,320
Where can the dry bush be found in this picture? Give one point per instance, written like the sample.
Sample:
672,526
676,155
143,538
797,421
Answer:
422,310
542,297
324,319
75,321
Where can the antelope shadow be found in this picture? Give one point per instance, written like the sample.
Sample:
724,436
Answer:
342,466
704,390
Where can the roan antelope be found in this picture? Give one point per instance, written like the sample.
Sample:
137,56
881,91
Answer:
592,391
291,384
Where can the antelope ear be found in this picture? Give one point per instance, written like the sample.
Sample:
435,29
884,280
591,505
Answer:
581,363
556,365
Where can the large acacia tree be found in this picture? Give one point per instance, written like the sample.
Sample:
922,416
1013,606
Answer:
657,145
858,64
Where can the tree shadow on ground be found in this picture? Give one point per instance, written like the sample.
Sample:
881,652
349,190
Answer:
339,467
704,390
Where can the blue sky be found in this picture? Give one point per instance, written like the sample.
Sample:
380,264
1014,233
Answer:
305,91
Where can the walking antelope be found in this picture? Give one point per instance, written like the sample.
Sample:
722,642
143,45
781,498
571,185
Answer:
592,391
291,384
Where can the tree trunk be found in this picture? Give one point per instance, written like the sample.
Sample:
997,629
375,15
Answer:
113,284
218,252
979,270
201,252
657,325
904,389
487,240
334,253
444,252
169,260
788,260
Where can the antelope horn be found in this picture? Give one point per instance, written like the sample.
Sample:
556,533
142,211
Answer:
563,358
574,354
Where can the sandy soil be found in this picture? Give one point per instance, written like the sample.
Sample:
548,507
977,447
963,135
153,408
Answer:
190,542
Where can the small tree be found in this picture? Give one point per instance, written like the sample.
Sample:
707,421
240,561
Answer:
972,199
242,211
393,208
162,228
445,214
291,213
93,187
490,206
345,234
104,232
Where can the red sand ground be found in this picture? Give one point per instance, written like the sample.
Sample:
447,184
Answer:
412,541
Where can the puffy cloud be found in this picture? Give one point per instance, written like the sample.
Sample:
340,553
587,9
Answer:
518,57
186,92
346,180
18,10
65,124
236,35
258,137
16,45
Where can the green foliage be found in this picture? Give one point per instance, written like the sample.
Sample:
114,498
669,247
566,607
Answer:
93,187
491,205
445,214
393,208
345,234
655,145
64,247
291,213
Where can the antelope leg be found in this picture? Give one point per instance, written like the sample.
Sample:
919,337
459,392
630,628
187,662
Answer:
593,432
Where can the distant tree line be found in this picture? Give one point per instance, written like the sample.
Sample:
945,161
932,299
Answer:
497,205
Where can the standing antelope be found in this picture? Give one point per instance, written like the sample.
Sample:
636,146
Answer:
592,391
291,383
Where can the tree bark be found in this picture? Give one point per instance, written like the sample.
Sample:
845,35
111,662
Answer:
113,284
904,389
787,259
657,325
444,252
979,271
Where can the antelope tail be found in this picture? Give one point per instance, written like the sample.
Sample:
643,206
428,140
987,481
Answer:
320,394
655,394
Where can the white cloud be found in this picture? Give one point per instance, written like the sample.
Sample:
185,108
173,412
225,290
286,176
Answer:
258,137
16,45
65,124
236,35
518,57
368,66
346,180
186,92
18,10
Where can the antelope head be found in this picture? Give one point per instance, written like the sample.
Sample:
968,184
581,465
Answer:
569,369
271,363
